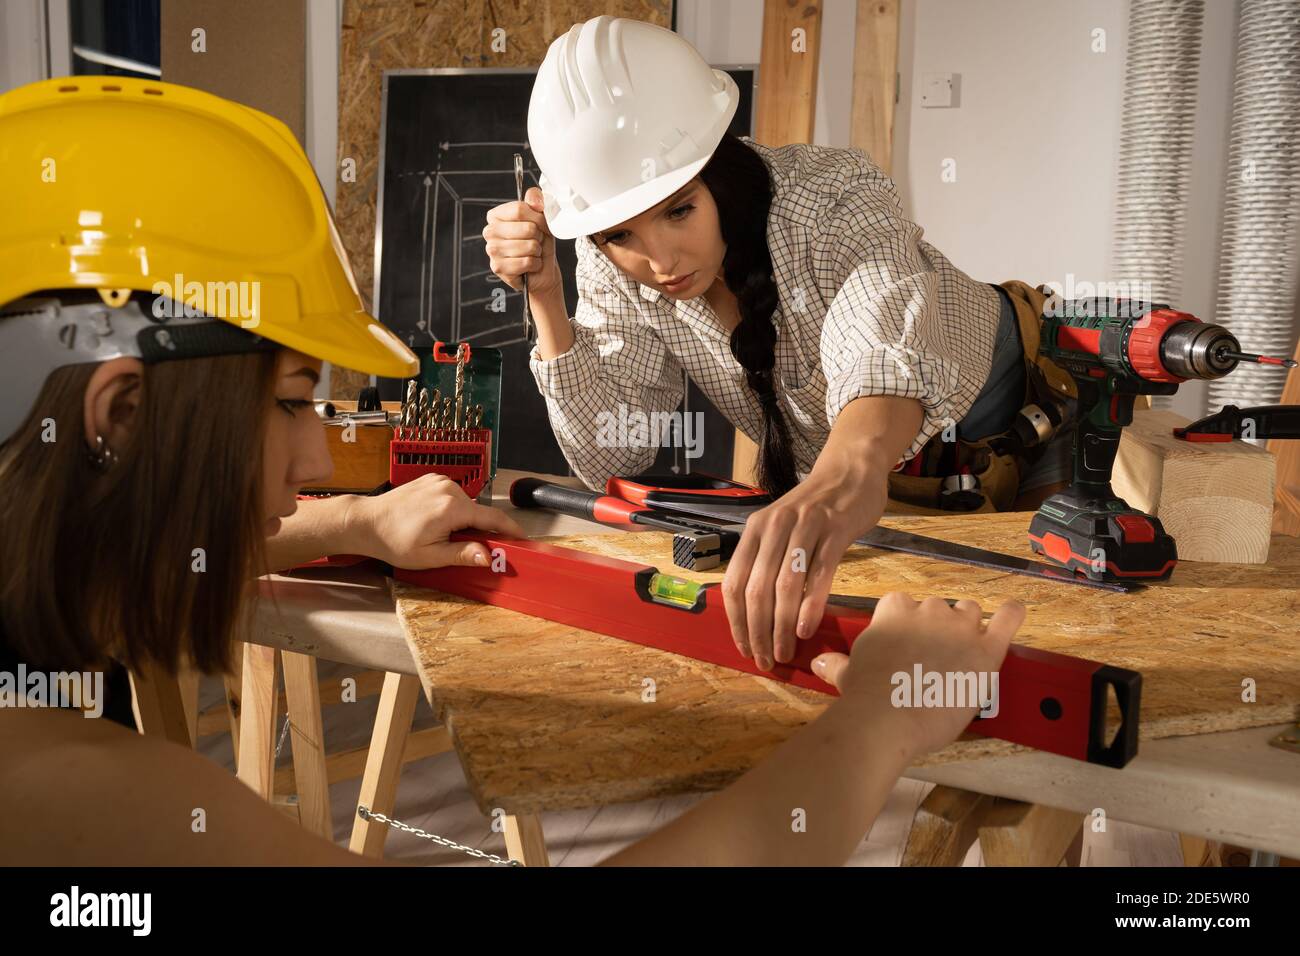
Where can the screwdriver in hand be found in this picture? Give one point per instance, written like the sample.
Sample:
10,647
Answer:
519,194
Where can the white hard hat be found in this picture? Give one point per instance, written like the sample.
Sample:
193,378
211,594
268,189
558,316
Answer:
623,114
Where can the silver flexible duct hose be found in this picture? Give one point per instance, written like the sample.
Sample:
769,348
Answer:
1155,152
1258,256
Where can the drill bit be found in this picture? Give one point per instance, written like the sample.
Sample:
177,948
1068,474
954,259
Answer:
447,412
408,415
461,351
423,431
434,434
1261,359
412,389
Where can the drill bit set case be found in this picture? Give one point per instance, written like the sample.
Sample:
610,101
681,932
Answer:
449,419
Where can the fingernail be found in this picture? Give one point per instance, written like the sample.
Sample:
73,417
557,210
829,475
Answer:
819,664
802,629
480,558
764,663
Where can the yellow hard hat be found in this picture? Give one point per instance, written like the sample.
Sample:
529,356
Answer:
114,183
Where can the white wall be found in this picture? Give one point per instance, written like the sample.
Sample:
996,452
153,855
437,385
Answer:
1035,141
1034,137
22,43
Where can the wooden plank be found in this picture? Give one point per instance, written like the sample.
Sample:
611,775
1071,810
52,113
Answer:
233,683
384,762
1198,851
875,80
787,72
1226,787
351,619
257,719
1215,499
1286,518
785,112
158,700
503,682
1013,833
307,737
525,841
187,679
944,828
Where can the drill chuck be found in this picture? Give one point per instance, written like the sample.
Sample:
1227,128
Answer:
1198,350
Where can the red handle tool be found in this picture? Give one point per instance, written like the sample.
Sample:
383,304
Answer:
1048,701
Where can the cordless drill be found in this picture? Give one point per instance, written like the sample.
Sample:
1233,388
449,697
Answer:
1117,349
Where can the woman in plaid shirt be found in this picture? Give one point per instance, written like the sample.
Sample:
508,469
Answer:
790,287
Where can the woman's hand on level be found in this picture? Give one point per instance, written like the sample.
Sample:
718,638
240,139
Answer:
411,525
779,577
904,634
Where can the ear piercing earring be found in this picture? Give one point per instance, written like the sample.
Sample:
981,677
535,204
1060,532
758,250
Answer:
101,456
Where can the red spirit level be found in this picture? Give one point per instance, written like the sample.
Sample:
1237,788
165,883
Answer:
1048,701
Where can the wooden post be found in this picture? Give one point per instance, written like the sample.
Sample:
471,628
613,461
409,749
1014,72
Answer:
875,80
525,842
785,113
158,700
1286,518
257,720
384,762
302,702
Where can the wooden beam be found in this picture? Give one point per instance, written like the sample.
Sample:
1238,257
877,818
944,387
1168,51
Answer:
1286,514
785,113
1013,833
234,687
384,761
875,80
257,719
787,72
1214,498
307,737
158,700
525,842
945,826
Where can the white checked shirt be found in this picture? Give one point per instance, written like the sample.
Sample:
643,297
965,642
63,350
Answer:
866,308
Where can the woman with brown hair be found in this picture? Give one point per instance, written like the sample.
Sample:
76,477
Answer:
149,448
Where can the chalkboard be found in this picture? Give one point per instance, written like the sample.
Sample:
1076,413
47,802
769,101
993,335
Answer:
447,144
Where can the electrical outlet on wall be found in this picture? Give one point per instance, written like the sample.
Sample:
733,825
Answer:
939,90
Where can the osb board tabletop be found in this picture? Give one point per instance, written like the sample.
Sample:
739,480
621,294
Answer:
546,716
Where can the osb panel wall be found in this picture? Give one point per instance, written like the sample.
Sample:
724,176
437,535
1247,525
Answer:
381,35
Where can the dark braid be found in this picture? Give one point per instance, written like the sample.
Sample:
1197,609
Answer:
738,179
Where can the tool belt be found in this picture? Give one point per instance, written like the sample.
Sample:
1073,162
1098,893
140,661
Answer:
985,475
